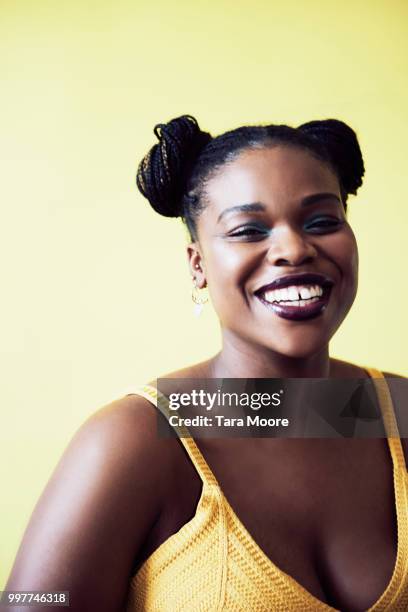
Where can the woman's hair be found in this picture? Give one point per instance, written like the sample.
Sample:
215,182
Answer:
173,174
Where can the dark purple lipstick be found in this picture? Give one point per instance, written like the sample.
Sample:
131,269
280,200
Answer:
303,308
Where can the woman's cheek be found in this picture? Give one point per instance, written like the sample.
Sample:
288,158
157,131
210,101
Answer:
345,254
352,259
226,273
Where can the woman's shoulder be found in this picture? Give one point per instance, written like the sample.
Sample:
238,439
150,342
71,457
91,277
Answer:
397,385
119,441
347,369
130,423
393,375
398,389
197,370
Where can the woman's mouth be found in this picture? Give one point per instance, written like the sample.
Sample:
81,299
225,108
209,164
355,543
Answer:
296,302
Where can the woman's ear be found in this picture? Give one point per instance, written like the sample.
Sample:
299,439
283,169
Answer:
196,265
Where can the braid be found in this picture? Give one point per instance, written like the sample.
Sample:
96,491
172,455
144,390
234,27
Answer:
162,173
343,150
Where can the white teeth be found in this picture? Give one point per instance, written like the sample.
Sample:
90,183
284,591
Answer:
305,293
299,302
293,293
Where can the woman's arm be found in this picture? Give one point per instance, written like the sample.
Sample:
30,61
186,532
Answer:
96,510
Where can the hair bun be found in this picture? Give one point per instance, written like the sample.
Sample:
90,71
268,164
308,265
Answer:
163,173
342,146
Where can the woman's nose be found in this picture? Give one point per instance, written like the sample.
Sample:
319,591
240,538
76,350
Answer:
289,247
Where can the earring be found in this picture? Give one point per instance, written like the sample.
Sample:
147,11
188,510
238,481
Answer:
198,300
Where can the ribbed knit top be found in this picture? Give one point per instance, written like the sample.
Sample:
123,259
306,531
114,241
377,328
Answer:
212,563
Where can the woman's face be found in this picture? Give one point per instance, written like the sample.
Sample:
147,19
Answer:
272,213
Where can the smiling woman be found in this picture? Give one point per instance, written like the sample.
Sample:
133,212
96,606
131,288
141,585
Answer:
266,208
300,230
258,524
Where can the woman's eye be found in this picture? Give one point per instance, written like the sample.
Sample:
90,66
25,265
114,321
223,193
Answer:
325,224
319,226
249,232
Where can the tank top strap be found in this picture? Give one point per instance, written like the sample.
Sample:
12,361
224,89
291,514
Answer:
388,415
161,403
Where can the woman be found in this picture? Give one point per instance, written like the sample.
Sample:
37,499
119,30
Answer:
237,524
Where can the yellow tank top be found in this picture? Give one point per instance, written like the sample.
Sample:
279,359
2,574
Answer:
212,563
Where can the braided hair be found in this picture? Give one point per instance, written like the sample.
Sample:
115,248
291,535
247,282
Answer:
174,173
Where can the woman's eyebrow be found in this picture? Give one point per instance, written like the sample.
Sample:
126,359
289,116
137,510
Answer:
254,207
259,207
317,197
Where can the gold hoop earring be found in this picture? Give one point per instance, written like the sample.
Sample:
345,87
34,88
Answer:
199,300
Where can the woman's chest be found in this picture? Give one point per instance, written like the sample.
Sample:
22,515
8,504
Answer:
322,511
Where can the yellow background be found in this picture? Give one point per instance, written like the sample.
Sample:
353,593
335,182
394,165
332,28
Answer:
95,287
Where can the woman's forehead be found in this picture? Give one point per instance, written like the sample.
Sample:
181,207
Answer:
273,174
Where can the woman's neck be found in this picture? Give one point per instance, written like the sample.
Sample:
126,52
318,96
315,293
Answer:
238,359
